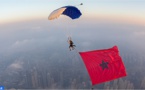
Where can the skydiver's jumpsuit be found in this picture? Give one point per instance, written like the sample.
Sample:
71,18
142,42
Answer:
71,46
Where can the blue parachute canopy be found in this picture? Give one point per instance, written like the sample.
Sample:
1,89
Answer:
70,11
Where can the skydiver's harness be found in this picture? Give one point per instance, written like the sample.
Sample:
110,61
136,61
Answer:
71,43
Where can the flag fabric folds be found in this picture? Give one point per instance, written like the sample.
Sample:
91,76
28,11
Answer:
103,65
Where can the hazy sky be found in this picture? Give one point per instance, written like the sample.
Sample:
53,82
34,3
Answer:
20,10
24,23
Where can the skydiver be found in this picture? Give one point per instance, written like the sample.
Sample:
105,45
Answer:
71,44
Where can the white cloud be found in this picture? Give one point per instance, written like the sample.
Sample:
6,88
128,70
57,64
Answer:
16,65
18,43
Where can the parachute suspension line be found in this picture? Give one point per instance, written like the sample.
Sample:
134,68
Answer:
67,31
67,27
70,11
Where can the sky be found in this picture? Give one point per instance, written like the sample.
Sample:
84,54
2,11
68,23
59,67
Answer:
24,23
121,10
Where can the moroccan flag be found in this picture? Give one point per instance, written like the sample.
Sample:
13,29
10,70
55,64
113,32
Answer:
103,65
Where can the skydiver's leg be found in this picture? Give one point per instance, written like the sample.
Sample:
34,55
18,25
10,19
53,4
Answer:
70,48
73,48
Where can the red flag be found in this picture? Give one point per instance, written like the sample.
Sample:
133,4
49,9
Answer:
103,65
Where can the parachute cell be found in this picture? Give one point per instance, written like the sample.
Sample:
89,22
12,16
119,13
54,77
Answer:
70,11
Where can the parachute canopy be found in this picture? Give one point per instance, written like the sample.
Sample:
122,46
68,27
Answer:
70,11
